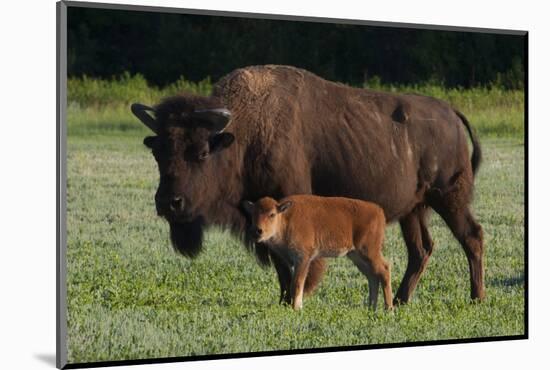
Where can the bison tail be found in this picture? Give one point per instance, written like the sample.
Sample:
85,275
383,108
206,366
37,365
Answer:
476,153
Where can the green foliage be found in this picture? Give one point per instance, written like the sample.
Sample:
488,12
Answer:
127,89
472,99
493,110
96,105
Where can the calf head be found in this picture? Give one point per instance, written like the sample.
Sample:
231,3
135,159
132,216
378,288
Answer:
189,147
265,216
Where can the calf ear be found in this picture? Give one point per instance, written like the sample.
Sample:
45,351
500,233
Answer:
284,206
247,206
220,141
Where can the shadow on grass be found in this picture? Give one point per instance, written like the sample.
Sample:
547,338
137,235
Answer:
508,282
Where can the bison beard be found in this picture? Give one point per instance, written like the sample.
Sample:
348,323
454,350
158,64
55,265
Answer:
187,237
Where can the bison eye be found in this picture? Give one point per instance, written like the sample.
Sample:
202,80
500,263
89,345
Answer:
272,215
203,155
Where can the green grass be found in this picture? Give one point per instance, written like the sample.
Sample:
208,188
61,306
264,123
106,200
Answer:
131,296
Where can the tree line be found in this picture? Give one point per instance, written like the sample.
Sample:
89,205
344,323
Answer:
163,47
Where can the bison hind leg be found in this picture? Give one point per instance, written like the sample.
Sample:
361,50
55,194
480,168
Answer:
453,206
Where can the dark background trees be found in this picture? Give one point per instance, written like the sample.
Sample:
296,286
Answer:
163,47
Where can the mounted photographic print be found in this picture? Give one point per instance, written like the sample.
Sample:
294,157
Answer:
236,185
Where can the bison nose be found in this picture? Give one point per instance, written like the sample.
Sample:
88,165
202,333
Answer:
176,204
258,231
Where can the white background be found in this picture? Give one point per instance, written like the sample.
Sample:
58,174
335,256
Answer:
27,193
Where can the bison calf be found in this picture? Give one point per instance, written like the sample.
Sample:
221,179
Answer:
301,228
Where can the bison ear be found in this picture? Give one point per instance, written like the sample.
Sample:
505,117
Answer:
140,111
247,206
220,141
149,141
284,206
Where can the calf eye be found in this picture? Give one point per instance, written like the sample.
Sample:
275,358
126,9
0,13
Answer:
272,215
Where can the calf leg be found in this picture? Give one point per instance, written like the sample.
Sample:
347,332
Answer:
374,286
374,282
369,250
381,269
299,277
315,273
317,268
419,248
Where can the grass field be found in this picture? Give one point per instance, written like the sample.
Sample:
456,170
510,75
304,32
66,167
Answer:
131,297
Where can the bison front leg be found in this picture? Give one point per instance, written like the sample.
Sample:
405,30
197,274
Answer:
284,276
419,248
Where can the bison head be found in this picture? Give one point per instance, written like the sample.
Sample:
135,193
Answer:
188,147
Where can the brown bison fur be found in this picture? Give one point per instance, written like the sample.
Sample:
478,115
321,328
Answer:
302,228
291,132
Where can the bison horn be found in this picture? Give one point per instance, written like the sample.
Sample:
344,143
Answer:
215,119
140,111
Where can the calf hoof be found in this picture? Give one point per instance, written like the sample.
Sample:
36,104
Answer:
477,300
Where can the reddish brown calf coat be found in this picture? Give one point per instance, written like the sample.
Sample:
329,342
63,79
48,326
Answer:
302,228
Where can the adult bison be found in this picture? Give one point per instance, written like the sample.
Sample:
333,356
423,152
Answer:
278,130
